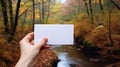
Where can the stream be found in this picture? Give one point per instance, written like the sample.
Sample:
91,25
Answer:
70,56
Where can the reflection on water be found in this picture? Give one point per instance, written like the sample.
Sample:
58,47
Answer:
71,57
65,62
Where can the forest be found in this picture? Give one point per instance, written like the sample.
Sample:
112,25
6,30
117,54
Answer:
96,31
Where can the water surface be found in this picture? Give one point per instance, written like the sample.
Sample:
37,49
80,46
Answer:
71,56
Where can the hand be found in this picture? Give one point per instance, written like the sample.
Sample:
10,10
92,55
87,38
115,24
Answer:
28,50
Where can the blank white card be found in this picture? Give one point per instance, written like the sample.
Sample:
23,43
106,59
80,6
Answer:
57,34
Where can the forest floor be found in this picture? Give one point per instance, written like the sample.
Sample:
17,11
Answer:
10,52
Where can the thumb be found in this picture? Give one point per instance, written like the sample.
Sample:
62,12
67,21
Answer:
41,43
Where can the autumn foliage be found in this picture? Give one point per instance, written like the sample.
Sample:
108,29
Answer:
97,35
96,23
10,52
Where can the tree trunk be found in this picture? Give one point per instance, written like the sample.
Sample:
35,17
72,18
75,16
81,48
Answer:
100,2
86,7
5,16
78,7
33,14
40,12
24,19
118,7
43,12
48,8
15,22
91,11
11,13
101,7
109,29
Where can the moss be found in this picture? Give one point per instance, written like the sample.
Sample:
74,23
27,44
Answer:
87,43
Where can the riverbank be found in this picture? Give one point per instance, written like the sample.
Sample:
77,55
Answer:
95,40
108,52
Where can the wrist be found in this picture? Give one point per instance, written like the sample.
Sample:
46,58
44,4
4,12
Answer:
24,61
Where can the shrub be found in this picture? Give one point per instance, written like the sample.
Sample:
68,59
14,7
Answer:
98,36
82,29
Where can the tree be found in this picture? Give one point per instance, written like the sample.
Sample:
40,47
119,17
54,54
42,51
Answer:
114,3
40,13
86,5
48,10
24,19
43,12
73,9
33,13
78,6
109,27
110,7
3,4
101,6
15,22
100,3
10,13
91,11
